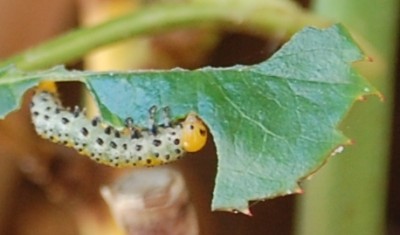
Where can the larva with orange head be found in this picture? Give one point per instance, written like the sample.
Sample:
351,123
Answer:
114,146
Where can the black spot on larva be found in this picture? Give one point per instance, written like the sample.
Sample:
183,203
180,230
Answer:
148,161
117,134
57,110
117,158
202,132
76,113
156,142
113,145
156,154
139,158
32,104
154,130
167,157
97,159
80,150
177,141
64,120
116,164
138,147
36,113
133,163
191,127
126,161
173,133
51,137
84,131
178,151
92,154
136,134
48,108
84,145
100,141
65,142
44,99
125,146
108,130
45,132
76,143
95,121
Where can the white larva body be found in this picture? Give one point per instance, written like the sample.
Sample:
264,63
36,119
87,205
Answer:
104,144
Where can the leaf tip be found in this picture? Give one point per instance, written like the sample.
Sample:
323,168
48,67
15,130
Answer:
245,211
350,142
381,96
339,149
368,58
242,210
299,190
368,91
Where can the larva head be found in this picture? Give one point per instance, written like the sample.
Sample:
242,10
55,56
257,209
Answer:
194,133
48,86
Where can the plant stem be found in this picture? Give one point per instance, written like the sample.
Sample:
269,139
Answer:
263,17
348,195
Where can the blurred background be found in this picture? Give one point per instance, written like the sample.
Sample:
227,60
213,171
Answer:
49,189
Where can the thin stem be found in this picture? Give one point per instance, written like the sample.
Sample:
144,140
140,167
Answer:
263,17
348,195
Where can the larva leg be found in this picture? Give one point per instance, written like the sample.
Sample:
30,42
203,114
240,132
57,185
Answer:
167,116
135,132
129,123
152,120
77,111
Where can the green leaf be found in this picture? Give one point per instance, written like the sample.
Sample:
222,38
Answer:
273,123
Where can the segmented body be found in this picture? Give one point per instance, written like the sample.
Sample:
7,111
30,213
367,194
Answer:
129,146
